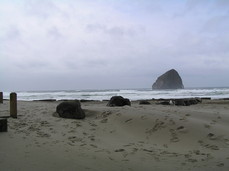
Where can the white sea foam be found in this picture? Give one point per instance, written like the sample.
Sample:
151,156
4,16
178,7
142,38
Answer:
132,94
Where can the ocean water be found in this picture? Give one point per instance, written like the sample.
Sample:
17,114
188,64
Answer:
132,94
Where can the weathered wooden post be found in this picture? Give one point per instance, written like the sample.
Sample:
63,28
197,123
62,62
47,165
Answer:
1,97
3,125
13,105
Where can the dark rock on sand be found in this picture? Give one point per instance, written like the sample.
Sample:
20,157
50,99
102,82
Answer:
187,101
180,102
3,125
224,99
144,102
206,98
118,101
83,100
169,80
45,100
164,103
199,100
70,109
193,101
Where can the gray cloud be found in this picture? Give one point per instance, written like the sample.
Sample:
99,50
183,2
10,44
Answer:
41,8
112,44
54,33
112,31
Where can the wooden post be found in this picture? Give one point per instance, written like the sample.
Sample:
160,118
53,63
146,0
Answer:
13,105
1,97
3,125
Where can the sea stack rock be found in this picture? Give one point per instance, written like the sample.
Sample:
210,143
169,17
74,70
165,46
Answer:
169,80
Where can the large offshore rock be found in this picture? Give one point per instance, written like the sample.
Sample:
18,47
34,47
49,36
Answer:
70,109
169,80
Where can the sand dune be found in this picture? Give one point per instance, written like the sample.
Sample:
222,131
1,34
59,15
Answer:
137,137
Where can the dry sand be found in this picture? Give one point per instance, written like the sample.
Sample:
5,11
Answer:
140,137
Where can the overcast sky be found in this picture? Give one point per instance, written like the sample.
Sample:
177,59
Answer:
97,44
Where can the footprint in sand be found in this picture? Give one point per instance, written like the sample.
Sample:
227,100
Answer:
143,117
207,126
209,146
182,129
92,129
183,119
165,145
74,139
91,137
119,150
128,120
130,144
118,114
174,137
93,124
66,126
166,118
220,138
220,164
213,122
104,114
43,134
159,125
212,136
45,124
112,131
92,145
147,150
172,122
134,150
110,158
219,117
226,141
72,130
104,120
84,133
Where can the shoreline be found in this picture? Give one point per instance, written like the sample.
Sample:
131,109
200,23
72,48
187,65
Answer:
136,137
153,99
132,94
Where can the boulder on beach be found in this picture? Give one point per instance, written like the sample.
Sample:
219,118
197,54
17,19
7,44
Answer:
169,80
70,109
180,102
118,101
187,101
144,102
3,125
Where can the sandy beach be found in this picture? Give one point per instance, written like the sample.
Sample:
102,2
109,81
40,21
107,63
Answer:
136,137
